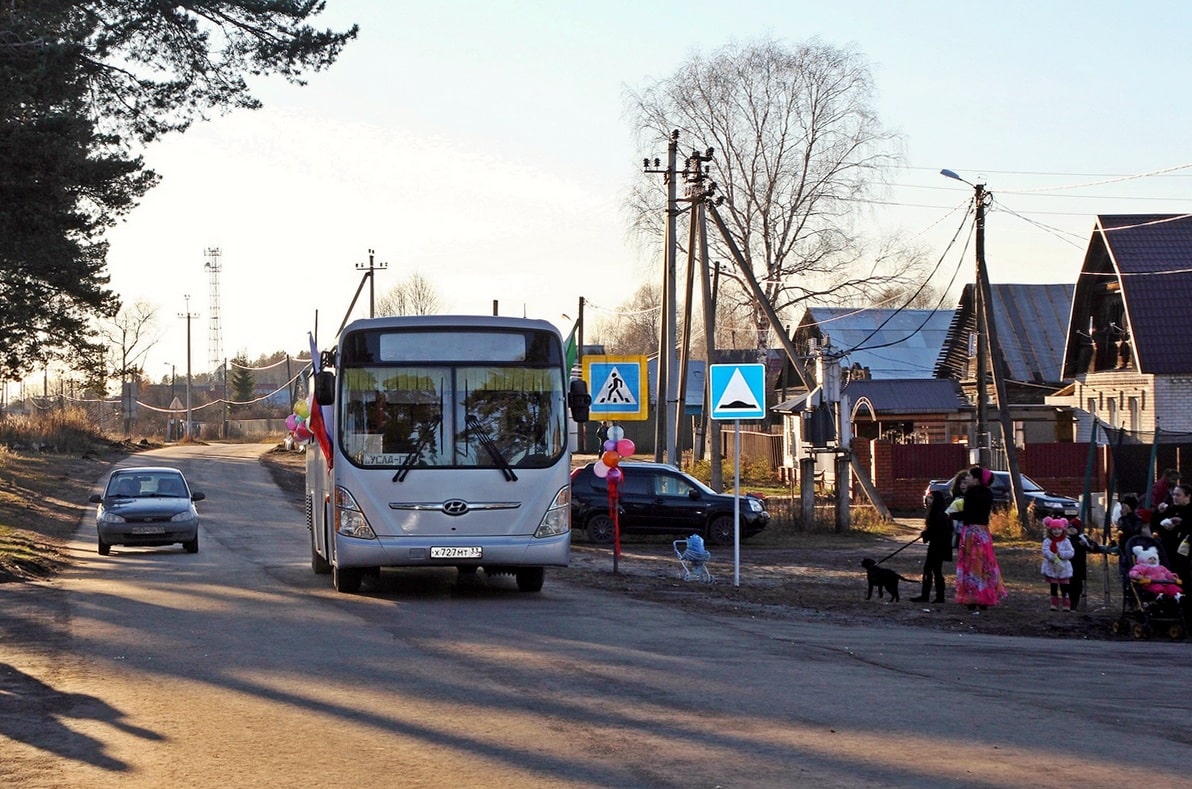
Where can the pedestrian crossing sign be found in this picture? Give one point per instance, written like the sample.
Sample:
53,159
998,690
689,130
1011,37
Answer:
738,391
617,384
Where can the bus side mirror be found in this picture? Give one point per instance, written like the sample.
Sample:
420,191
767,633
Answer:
579,400
325,387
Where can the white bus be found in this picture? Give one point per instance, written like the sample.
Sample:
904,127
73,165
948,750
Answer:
448,447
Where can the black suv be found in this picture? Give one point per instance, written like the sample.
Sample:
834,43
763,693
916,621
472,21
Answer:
656,498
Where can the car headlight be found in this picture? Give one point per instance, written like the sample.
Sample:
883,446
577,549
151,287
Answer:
111,517
754,504
182,517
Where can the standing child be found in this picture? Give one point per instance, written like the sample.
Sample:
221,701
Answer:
1057,561
938,536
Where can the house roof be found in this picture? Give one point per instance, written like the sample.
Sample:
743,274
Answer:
906,396
1148,259
891,343
1032,328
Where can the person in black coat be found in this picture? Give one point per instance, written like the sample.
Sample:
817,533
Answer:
938,536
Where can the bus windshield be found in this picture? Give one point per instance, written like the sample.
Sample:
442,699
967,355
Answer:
399,410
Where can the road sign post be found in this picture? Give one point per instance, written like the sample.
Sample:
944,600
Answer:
738,391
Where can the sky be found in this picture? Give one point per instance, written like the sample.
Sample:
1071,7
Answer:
484,145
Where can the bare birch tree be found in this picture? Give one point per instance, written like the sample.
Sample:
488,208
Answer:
415,295
797,149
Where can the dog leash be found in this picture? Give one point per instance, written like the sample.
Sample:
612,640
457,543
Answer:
903,548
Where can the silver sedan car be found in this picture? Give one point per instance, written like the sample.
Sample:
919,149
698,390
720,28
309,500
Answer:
147,505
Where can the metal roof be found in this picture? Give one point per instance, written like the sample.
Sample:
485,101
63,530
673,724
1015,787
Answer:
1149,257
891,343
908,396
1032,329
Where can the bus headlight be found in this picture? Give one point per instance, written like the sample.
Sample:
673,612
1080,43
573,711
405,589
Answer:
349,520
557,519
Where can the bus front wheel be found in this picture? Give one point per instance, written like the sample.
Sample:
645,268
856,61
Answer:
529,579
346,579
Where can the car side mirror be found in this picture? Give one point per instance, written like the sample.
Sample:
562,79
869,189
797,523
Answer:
197,495
95,498
325,387
693,494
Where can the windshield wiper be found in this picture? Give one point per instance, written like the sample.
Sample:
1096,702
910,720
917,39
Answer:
493,450
412,459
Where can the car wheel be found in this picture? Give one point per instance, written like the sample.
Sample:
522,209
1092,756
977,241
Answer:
346,579
529,579
103,547
600,529
317,563
720,530
191,546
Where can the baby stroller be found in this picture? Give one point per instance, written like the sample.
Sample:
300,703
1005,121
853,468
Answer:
693,558
1146,612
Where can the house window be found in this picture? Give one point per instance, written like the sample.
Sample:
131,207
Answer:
1135,415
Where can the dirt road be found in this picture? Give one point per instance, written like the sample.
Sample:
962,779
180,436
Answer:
238,666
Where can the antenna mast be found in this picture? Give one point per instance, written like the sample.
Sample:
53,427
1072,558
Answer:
215,335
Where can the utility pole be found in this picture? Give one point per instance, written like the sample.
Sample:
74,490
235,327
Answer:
989,357
188,315
371,267
666,391
984,442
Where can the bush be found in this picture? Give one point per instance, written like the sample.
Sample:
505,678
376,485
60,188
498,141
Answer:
755,472
67,430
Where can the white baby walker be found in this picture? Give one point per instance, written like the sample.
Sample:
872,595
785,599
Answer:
694,558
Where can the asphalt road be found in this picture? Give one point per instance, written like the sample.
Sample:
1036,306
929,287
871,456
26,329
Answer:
237,666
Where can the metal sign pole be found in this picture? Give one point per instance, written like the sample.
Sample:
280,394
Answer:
736,502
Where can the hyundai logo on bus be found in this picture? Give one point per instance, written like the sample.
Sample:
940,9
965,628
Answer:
455,507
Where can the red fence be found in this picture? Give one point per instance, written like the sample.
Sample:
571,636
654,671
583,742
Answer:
901,472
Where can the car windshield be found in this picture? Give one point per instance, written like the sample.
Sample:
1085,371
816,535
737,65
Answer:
146,484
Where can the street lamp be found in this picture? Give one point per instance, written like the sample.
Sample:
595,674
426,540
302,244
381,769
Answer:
980,309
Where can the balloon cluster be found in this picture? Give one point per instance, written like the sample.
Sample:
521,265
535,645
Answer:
616,447
296,422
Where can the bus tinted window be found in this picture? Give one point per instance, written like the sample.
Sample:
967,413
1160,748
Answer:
458,345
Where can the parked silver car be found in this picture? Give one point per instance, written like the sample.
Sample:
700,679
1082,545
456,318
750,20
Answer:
147,505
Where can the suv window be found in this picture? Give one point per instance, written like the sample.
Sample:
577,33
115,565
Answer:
635,483
669,485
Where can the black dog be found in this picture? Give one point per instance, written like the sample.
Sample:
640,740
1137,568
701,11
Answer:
882,578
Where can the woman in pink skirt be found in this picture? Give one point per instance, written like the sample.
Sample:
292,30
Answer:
978,577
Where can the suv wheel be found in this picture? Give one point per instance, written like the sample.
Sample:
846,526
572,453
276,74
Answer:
600,529
720,530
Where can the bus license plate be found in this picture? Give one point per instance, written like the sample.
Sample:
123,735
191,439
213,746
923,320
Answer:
452,552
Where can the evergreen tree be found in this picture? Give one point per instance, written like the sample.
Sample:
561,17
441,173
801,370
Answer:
81,85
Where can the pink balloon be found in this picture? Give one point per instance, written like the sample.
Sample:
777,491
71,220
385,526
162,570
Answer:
291,422
626,447
600,470
615,475
302,433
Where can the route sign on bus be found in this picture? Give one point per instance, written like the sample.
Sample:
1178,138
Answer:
618,387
